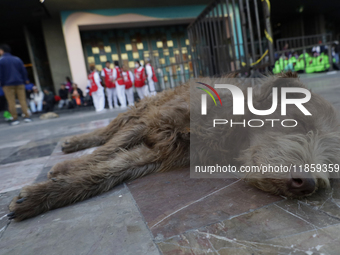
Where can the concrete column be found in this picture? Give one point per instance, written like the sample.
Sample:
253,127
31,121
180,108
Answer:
56,51
30,52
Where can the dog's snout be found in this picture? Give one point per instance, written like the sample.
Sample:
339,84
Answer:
301,183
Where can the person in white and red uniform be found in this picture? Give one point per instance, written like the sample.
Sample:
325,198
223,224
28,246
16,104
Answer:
151,77
107,76
140,77
96,89
120,86
128,81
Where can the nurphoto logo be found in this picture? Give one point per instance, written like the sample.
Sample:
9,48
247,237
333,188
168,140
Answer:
238,103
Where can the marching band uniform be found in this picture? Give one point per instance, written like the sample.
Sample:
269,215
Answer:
142,89
97,91
129,80
111,92
152,78
120,86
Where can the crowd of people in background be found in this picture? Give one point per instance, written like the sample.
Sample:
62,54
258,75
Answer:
119,82
69,95
316,60
14,84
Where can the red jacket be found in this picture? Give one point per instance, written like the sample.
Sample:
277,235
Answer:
127,80
140,78
119,78
94,86
108,78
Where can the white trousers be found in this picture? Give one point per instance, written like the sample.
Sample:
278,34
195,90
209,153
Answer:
143,91
152,87
129,95
98,100
121,94
112,93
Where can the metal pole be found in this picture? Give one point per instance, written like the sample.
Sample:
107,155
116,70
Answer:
192,47
231,35
212,47
236,30
215,46
245,39
202,42
250,26
211,68
268,26
258,28
330,57
200,60
225,39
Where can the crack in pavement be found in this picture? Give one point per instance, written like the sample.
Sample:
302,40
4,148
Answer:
2,231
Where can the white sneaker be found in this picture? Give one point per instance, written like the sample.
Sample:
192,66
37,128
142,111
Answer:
27,120
15,122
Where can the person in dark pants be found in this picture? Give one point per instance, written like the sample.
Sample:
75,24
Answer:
63,93
48,101
13,76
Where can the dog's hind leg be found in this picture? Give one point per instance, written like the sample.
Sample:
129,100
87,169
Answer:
67,189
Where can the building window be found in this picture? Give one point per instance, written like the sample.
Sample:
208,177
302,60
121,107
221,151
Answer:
103,58
95,50
135,55
107,49
90,60
128,47
170,44
115,57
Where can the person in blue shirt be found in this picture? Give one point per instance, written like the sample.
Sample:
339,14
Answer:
13,76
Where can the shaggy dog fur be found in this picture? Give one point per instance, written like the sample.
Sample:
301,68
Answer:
154,136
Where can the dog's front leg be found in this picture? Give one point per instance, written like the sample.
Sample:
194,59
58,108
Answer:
80,185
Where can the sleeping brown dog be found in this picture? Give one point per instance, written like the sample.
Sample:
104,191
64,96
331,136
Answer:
154,136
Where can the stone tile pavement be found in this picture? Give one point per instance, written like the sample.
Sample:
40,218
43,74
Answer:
165,213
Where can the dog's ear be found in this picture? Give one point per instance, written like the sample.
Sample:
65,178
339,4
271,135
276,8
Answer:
288,74
279,82
231,75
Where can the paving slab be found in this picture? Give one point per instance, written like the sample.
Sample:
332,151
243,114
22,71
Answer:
17,175
173,203
106,224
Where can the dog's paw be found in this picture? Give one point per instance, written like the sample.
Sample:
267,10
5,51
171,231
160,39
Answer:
59,169
23,206
69,145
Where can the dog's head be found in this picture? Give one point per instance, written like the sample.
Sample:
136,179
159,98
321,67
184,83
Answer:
293,165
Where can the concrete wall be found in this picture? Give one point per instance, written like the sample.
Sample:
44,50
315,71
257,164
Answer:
56,51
